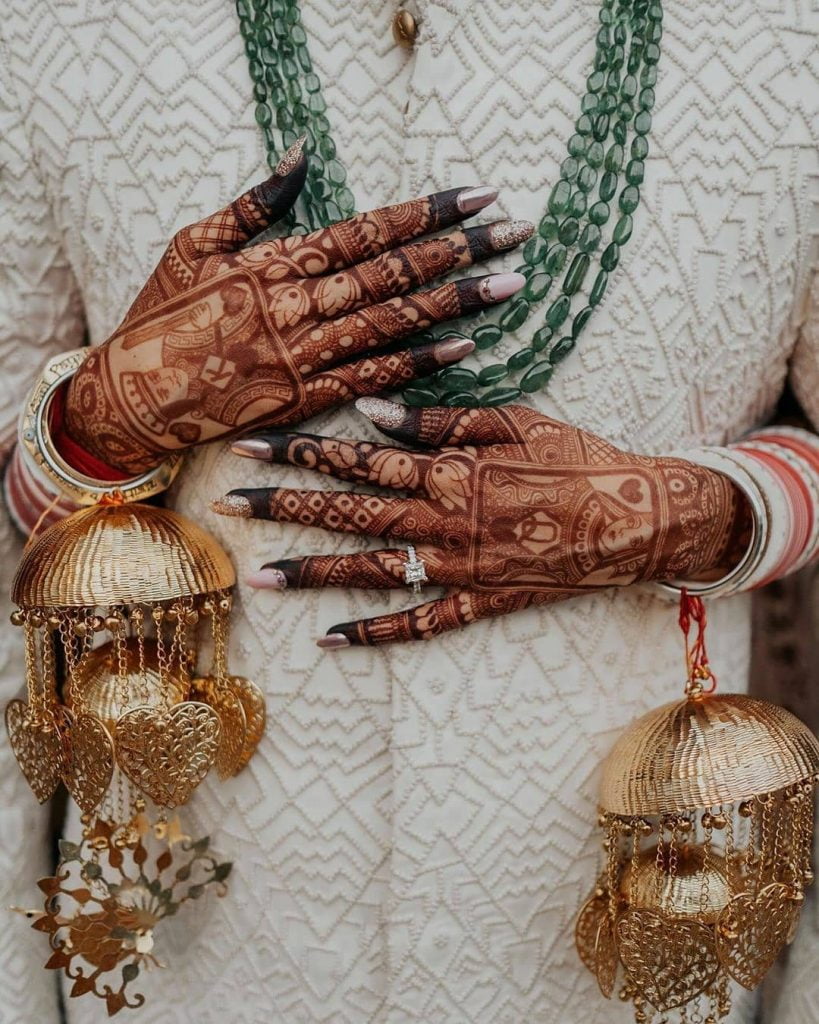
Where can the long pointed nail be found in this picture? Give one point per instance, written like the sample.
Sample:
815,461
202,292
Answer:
235,505
381,412
473,199
452,349
498,287
506,234
267,579
252,448
291,158
333,641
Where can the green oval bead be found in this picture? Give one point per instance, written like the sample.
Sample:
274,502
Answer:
595,154
525,269
598,288
604,37
635,172
648,76
316,103
622,230
514,314
264,116
629,199
589,238
559,198
625,110
458,398
576,145
492,374
555,259
569,168
629,87
654,32
576,273
621,130
608,186
500,396
336,174
652,53
458,378
578,204
487,336
620,33
599,213
647,99
418,397
586,177
520,360
561,350
541,338
614,158
639,148
610,257
655,12
595,81
583,125
259,92
589,103
616,56
581,320
606,16
536,377
548,227
256,70
537,287
312,82
569,230
608,103
535,249
558,311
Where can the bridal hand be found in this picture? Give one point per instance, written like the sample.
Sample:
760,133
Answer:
508,508
226,335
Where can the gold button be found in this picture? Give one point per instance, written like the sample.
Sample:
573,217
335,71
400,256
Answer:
404,29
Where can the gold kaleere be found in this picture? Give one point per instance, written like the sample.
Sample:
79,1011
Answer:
707,808
114,601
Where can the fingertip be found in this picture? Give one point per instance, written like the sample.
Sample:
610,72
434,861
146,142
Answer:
292,158
382,412
233,504
333,642
497,287
450,350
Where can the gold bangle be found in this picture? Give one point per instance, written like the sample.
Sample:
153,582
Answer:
45,463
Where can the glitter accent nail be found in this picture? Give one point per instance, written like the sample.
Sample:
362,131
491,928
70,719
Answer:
382,412
506,234
291,158
333,641
235,505
473,199
252,448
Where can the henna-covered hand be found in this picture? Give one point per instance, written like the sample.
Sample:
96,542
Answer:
227,334
508,508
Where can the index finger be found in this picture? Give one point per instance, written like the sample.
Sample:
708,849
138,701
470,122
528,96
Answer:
372,233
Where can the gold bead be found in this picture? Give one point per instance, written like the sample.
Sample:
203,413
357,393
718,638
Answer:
404,29
18,617
684,825
208,607
80,628
97,623
192,617
139,803
99,843
53,621
224,604
137,614
37,619
113,623
746,809
172,615
719,821
158,614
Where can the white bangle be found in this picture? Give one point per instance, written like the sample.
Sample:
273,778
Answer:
721,460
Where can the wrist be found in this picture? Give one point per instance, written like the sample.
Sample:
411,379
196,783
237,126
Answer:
731,529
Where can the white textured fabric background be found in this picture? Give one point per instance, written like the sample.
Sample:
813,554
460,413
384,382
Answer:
416,833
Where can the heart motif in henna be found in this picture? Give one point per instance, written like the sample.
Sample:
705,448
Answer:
670,962
219,696
166,754
89,762
751,932
631,491
38,746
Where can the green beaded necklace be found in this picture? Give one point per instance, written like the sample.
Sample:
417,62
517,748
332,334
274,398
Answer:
617,105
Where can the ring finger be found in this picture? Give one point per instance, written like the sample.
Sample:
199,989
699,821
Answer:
368,570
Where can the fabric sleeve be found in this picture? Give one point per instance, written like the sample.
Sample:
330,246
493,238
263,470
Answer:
40,314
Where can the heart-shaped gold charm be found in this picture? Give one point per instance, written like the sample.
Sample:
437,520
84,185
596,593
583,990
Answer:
593,911
167,753
669,961
38,746
253,702
90,762
217,695
606,957
751,932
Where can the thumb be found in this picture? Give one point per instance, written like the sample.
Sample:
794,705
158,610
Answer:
254,211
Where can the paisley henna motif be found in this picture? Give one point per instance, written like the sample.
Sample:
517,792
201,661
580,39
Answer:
228,334
506,507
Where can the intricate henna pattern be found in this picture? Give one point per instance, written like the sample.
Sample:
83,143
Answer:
227,335
507,508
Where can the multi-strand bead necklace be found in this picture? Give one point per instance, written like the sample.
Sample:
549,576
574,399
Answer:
599,178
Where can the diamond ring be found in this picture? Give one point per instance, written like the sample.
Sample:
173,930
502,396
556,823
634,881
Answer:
415,572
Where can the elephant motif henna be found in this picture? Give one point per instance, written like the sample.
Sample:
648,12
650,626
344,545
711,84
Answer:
507,508
231,332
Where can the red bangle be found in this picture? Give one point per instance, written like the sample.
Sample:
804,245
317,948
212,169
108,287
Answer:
74,454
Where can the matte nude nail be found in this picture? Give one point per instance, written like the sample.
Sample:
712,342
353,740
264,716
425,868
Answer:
333,641
498,287
252,448
267,579
452,349
473,199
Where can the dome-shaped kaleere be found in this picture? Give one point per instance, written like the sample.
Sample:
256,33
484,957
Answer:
705,751
78,562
